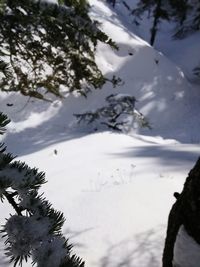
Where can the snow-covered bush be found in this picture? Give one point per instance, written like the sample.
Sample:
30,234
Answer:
35,228
119,114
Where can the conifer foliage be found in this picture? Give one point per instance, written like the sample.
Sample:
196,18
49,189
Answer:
155,10
35,228
118,114
49,46
188,17
3,122
177,11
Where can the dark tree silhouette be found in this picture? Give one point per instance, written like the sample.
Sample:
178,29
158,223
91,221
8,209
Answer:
186,212
159,10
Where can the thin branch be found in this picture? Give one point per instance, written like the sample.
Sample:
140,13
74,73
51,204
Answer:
13,203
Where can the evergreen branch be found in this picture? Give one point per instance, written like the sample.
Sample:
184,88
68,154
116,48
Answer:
11,200
3,122
115,114
36,234
65,46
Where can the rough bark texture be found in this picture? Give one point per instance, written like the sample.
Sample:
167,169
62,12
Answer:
185,211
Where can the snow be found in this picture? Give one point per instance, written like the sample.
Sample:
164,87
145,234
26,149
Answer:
183,52
115,190
186,250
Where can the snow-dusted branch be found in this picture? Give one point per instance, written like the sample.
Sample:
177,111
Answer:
119,114
35,228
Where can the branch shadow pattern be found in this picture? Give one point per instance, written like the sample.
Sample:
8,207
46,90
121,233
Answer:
74,235
143,250
161,87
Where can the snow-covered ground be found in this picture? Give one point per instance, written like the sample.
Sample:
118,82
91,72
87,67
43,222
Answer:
115,190
183,52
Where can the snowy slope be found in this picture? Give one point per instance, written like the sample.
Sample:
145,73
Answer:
164,95
163,92
183,52
115,190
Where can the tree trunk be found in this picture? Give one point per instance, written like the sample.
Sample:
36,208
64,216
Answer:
113,2
185,211
155,22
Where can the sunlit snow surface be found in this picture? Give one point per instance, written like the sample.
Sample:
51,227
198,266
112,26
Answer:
115,190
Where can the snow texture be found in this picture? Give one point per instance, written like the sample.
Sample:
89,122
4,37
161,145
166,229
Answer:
186,250
115,190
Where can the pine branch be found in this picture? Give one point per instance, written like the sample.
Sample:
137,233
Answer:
115,114
66,41
11,200
3,122
37,232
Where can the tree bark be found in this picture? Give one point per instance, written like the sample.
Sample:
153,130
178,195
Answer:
185,211
113,2
155,22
